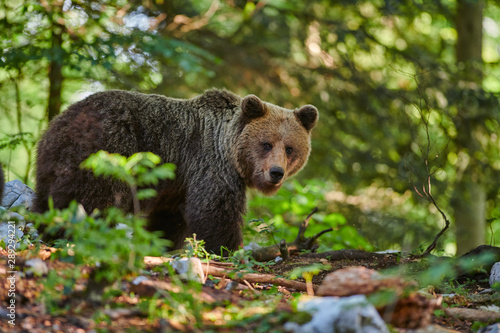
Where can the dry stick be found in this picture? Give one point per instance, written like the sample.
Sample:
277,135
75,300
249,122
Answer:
240,276
429,196
303,227
319,234
274,280
258,278
301,242
447,224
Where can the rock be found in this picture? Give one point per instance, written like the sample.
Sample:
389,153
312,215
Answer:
432,329
495,274
8,232
495,328
232,285
36,267
252,246
410,312
30,230
138,280
11,221
123,226
16,194
18,219
334,314
189,269
359,280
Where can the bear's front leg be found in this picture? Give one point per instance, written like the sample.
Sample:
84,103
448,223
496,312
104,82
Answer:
214,214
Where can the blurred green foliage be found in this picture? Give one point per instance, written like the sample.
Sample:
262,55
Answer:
376,70
107,254
279,217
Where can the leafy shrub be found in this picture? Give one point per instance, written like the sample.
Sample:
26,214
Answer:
112,244
283,212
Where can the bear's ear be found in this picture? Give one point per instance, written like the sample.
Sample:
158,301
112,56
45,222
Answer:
252,107
307,116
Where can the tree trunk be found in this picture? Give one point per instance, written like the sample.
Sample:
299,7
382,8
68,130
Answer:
55,72
469,202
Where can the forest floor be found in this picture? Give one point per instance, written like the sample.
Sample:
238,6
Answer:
218,306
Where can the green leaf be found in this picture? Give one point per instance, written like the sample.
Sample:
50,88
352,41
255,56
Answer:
146,194
310,269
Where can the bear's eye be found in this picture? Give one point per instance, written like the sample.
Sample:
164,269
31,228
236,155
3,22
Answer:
267,146
289,150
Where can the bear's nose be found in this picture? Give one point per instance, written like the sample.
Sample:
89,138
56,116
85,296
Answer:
276,173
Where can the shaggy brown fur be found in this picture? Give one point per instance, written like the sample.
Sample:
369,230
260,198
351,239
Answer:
219,142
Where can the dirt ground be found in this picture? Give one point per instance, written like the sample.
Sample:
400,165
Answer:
121,313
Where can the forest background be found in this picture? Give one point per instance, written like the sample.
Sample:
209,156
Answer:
408,93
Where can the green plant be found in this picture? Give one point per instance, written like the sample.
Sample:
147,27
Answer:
110,252
137,171
308,272
295,200
180,303
112,244
196,248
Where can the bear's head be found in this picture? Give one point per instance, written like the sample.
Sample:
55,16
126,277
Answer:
274,143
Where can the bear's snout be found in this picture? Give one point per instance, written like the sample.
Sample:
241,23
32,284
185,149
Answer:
276,174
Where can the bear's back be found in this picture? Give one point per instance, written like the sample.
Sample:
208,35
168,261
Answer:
180,131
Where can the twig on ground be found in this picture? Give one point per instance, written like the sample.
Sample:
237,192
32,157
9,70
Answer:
240,276
303,227
300,243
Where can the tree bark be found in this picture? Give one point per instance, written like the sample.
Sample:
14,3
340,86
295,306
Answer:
469,200
55,72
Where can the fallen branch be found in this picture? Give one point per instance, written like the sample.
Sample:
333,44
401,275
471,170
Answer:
300,243
238,276
348,255
473,314
274,280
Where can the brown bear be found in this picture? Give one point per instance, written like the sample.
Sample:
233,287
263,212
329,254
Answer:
221,144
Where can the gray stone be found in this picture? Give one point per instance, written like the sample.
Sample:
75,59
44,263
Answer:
10,221
9,232
232,285
37,267
189,269
16,194
138,280
495,328
14,217
333,314
495,274
30,230
122,226
252,246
